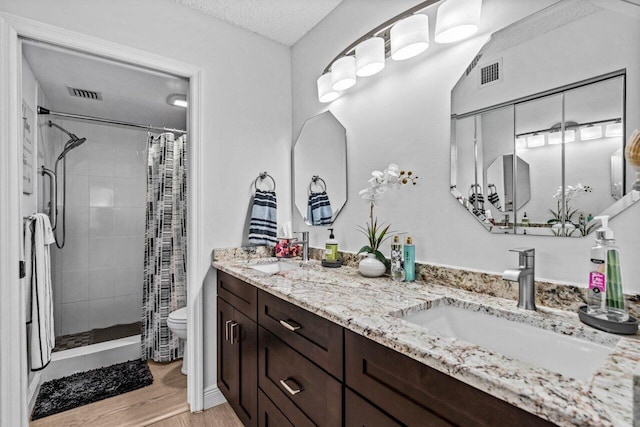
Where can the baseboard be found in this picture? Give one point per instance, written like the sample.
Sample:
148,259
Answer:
34,388
213,397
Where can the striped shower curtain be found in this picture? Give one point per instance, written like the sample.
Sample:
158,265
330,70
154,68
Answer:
165,281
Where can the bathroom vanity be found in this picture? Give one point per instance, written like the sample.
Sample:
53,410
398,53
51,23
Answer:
308,346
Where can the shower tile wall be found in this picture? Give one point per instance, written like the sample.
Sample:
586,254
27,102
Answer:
99,271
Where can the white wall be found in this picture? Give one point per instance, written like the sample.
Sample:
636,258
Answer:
402,115
246,105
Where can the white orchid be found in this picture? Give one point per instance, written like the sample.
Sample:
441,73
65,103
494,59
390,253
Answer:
379,183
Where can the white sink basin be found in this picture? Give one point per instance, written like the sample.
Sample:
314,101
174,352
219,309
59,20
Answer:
274,267
563,354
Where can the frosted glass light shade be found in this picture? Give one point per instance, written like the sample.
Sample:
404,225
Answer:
556,137
613,130
521,142
325,92
535,141
590,132
343,73
409,37
457,20
370,57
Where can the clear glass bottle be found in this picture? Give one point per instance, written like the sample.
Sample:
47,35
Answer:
397,272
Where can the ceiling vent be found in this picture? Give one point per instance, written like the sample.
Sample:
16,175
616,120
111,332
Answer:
86,94
491,74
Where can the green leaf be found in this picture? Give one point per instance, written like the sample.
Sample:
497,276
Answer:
366,249
381,258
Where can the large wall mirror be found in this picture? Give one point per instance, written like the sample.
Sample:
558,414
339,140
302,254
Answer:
540,119
320,169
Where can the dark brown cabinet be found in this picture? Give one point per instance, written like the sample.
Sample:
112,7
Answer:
417,395
306,394
316,338
237,366
280,365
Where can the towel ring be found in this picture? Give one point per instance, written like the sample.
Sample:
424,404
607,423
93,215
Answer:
261,177
314,180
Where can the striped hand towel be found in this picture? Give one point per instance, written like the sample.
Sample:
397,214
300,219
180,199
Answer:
264,219
319,209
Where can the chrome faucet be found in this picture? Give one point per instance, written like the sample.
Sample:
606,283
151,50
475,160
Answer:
525,276
305,245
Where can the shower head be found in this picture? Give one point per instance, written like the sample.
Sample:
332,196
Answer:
70,144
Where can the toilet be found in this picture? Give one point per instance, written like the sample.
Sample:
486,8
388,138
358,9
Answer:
177,322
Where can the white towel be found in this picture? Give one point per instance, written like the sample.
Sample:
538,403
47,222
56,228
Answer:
38,237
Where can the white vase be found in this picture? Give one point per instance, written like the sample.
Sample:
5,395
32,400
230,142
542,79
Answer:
371,266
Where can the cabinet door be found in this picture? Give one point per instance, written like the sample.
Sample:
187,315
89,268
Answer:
360,413
269,415
244,338
227,358
238,362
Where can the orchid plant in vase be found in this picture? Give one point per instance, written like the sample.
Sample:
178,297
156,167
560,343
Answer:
379,183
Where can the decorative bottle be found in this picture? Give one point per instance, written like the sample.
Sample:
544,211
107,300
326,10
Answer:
409,260
397,272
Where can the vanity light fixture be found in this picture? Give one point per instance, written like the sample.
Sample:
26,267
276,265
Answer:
343,73
613,129
370,58
521,143
591,132
457,19
536,140
409,37
325,92
401,37
177,100
556,137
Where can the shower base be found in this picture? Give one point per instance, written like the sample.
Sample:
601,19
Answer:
96,336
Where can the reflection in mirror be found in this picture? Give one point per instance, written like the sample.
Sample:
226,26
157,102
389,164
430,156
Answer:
550,89
500,183
320,169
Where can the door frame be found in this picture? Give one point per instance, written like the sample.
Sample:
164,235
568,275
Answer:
13,355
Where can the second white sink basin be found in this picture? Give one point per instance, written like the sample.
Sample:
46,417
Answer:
274,267
563,354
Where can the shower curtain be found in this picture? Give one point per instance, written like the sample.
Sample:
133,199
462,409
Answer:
165,282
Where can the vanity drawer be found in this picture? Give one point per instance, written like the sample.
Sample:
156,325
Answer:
297,386
360,413
270,416
243,296
318,339
416,394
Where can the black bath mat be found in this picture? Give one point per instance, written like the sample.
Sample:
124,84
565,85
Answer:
79,389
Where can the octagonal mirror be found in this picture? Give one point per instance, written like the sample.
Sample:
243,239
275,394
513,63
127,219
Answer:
540,118
320,170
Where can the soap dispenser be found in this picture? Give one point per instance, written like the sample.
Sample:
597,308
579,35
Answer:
606,299
331,248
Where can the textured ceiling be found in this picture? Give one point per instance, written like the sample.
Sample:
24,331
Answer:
284,21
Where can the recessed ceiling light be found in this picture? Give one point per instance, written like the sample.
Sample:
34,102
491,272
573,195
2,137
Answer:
177,100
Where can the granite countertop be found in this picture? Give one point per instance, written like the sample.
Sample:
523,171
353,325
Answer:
371,307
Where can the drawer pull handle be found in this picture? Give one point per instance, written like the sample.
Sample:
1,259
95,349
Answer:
290,325
234,337
292,391
226,329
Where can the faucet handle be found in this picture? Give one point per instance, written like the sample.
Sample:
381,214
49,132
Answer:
526,256
525,251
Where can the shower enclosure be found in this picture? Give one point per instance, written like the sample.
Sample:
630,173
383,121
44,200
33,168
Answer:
99,166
